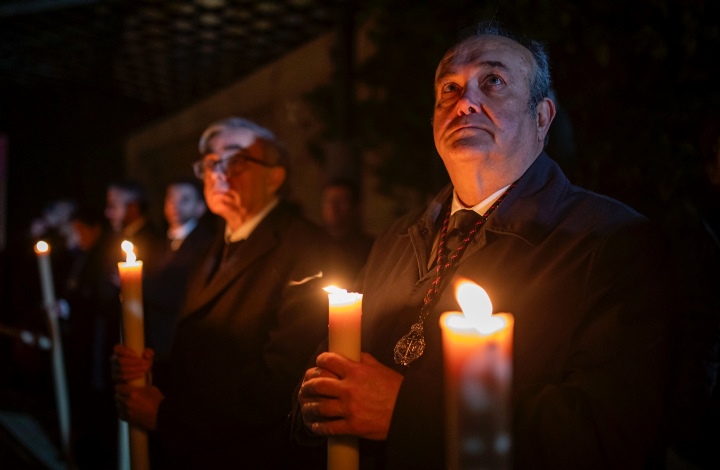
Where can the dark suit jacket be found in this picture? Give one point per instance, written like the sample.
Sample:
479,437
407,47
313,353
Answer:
583,276
245,336
148,243
164,288
93,326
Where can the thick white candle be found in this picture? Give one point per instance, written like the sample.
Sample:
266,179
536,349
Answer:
42,250
477,349
344,332
133,338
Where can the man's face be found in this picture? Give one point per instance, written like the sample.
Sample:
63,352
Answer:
182,204
116,208
482,89
338,209
86,234
245,192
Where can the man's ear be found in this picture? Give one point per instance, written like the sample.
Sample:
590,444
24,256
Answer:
544,117
276,178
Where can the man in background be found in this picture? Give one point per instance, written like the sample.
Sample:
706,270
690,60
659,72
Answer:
189,237
126,210
342,218
252,317
90,332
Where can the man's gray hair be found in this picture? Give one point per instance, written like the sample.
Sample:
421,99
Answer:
273,150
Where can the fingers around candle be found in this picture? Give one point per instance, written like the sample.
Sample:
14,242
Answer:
333,363
337,427
319,372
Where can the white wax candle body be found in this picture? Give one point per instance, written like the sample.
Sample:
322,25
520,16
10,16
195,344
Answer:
344,332
345,324
46,280
132,307
478,378
58,361
134,338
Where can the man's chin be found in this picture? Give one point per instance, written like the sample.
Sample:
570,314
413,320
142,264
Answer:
221,204
470,145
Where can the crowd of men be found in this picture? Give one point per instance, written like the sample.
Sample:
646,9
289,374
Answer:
611,367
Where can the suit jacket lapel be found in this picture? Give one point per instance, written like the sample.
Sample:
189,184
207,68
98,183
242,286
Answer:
262,240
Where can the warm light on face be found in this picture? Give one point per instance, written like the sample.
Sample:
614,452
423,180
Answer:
477,308
128,249
41,247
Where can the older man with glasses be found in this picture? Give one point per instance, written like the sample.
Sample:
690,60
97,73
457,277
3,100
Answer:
251,319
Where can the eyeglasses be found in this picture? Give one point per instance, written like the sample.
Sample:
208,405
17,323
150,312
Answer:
232,165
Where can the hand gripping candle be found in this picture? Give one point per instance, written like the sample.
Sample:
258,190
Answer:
477,350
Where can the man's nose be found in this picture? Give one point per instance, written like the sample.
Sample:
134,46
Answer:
218,178
469,102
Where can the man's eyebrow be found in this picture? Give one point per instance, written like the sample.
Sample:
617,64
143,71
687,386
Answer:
492,64
227,148
235,148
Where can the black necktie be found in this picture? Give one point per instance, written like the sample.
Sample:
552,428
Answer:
230,251
461,222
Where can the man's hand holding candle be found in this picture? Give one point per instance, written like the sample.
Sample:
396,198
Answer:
136,405
343,397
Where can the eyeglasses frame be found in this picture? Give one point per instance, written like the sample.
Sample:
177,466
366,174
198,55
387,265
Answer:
200,167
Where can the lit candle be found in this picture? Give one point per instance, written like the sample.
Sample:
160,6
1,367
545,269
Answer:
134,338
42,250
132,307
344,338
477,349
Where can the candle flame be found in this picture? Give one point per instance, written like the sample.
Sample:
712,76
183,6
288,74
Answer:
474,302
477,308
128,249
334,290
41,247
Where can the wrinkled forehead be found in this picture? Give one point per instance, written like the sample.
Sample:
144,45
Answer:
486,49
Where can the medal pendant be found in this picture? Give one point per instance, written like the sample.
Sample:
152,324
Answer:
411,346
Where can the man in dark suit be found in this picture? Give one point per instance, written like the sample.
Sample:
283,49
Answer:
582,274
251,320
341,213
126,210
90,333
190,235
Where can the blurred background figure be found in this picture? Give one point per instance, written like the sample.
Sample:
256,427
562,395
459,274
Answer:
54,227
55,221
693,226
126,210
190,233
90,331
22,305
342,218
